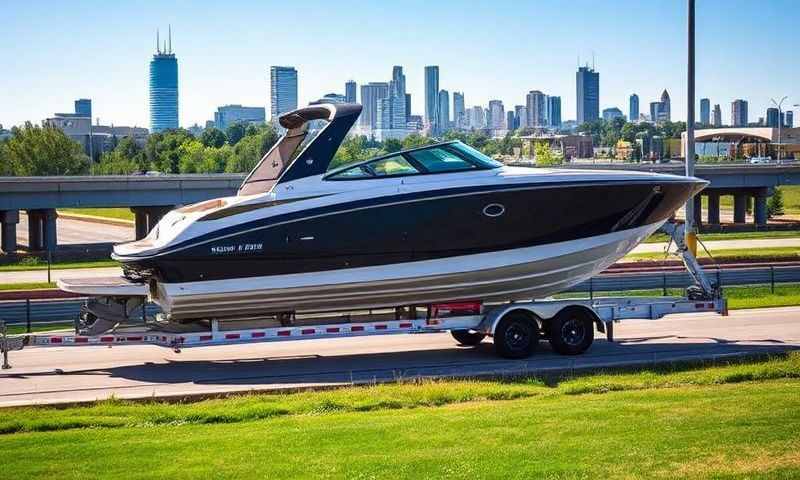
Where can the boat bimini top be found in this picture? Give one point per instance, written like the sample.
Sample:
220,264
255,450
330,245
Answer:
282,163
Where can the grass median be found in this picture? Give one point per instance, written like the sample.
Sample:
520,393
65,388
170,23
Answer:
736,420
726,255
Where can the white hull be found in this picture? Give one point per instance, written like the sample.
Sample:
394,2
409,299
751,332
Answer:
533,272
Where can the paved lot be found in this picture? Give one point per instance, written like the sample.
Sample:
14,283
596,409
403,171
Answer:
64,374
79,232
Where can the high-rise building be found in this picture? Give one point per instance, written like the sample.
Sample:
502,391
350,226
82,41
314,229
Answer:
536,103
633,108
655,109
665,111
432,96
520,116
443,115
371,95
496,115
789,119
772,117
705,111
282,90
163,87
554,111
510,120
610,114
716,118
350,91
83,107
587,83
227,115
408,107
459,111
477,117
739,113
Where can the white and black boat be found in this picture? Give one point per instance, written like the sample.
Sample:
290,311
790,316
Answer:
432,224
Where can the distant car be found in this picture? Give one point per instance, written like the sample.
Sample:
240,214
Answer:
758,160
149,173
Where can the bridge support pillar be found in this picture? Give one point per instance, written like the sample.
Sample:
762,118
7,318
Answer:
760,209
147,217
739,207
713,208
8,234
698,211
42,231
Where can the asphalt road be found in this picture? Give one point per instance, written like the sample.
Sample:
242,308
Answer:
73,374
79,232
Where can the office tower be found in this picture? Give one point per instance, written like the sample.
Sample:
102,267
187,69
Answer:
443,115
83,107
554,111
477,117
739,113
371,95
587,83
283,90
716,119
163,87
431,96
610,114
665,110
537,108
408,107
521,116
228,115
459,111
510,122
789,119
496,115
772,117
633,108
705,111
350,91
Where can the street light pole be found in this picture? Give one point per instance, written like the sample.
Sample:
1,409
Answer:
691,234
780,122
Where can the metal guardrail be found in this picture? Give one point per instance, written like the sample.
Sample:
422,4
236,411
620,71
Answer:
39,312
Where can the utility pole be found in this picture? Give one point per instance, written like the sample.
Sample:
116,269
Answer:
691,234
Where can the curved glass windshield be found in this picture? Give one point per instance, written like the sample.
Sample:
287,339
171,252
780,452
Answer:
382,167
475,155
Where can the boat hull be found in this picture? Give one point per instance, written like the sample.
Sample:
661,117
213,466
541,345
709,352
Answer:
515,274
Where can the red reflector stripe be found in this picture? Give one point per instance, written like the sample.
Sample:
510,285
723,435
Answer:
232,336
81,339
56,340
699,305
205,338
405,325
258,334
308,331
106,339
380,327
332,330
284,333
134,339
357,328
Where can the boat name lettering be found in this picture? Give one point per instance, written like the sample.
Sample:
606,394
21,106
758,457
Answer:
242,247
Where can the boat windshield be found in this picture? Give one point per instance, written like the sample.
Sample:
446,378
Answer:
475,155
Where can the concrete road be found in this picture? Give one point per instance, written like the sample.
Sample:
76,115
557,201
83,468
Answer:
73,374
79,232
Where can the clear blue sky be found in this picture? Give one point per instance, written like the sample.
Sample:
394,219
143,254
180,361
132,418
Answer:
57,51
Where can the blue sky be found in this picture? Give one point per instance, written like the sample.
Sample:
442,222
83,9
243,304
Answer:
57,51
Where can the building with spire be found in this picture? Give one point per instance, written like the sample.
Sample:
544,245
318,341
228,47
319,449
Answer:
163,87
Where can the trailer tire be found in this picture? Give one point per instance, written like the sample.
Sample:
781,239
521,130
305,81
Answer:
516,335
467,338
571,331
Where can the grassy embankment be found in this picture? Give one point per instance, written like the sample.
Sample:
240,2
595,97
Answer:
726,255
738,420
113,213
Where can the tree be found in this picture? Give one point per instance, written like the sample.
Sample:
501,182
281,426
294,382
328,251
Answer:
775,204
545,157
352,149
250,149
235,133
34,150
126,158
162,148
392,145
212,137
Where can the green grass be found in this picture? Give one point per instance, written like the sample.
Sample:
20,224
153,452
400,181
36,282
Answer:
738,420
18,329
726,255
34,263
114,213
26,286
710,237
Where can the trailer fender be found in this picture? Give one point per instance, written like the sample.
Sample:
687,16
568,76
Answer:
540,312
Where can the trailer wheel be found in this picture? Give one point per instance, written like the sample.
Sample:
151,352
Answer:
516,335
571,331
465,337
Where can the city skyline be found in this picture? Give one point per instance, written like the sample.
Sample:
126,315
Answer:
211,75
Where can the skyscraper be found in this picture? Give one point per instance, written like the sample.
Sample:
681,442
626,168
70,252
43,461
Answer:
716,118
536,103
789,119
350,91
772,117
633,108
432,96
520,116
459,111
610,114
554,111
282,90
163,87
371,95
739,113
391,110
705,111
510,120
655,111
83,107
408,107
587,83
665,111
496,115
443,115
477,117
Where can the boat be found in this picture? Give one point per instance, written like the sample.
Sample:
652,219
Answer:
438,223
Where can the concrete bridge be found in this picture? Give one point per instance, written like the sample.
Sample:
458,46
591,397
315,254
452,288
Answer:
150,197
